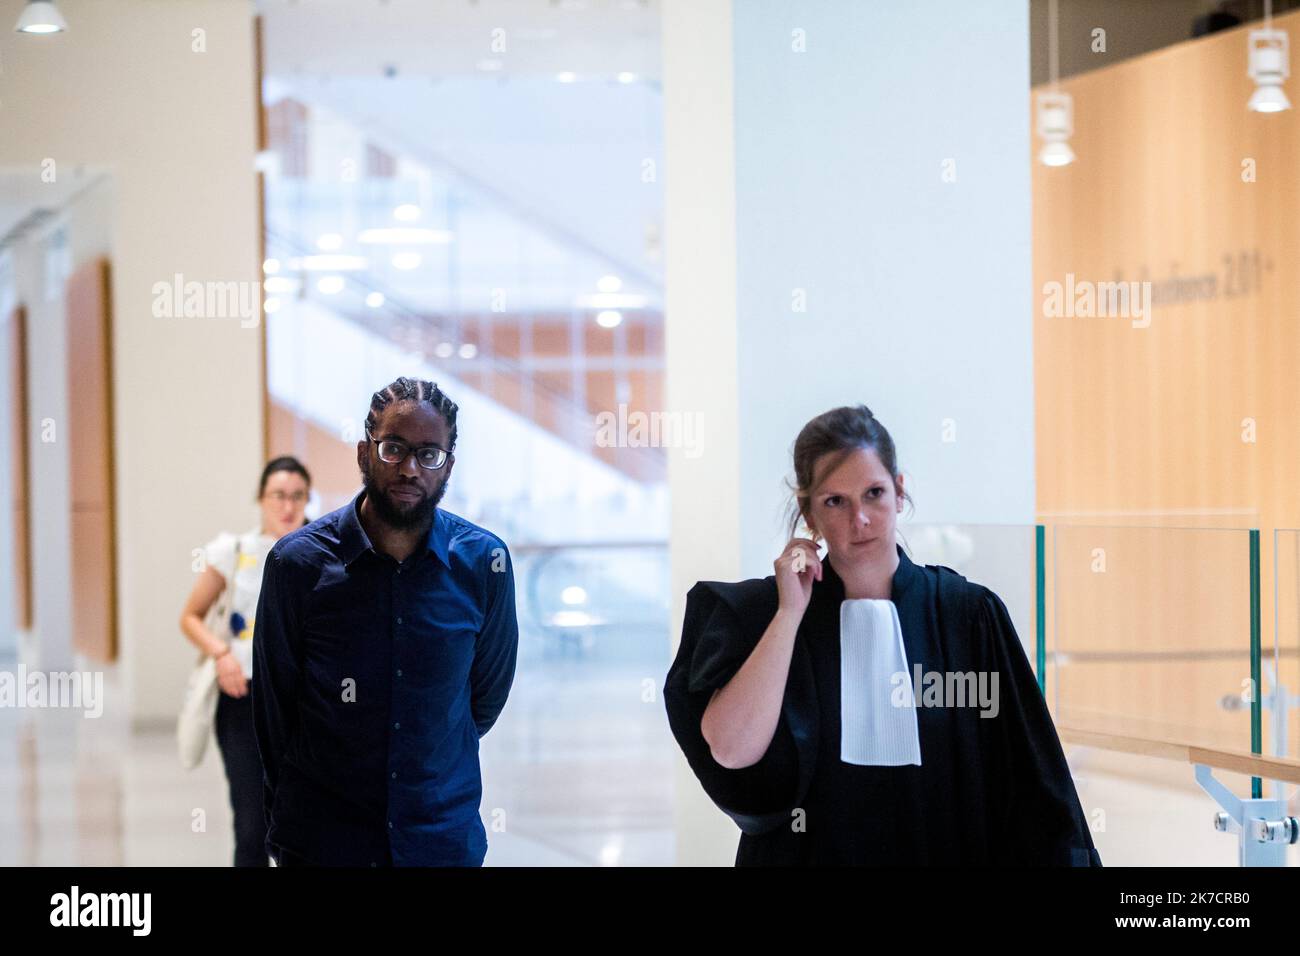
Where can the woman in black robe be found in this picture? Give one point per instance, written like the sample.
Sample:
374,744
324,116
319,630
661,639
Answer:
754,695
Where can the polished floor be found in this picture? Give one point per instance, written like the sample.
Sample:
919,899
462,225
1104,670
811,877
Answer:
577,772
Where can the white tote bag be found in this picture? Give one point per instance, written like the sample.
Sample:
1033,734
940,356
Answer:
199,709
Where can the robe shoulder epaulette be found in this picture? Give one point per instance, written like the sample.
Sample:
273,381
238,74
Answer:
744,597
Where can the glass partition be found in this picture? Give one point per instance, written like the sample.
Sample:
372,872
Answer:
1281,662
1151,633
999,556
579,770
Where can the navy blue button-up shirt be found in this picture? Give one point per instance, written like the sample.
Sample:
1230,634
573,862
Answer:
372,684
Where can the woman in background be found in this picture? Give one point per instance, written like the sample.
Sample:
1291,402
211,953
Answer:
235,560
797,702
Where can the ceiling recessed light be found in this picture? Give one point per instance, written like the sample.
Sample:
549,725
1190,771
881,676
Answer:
608,319
566,77
626,77
281,284
267,162
610,300
404,236
375,300
334,263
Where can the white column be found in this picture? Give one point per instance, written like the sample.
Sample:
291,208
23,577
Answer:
848,222
700,340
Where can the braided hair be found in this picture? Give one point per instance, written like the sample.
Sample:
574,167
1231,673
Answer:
414,390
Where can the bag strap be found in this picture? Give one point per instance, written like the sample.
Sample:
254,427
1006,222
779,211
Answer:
227,596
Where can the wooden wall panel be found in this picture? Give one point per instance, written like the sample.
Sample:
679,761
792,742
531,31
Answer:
89,432
20,467
1153,425
331,461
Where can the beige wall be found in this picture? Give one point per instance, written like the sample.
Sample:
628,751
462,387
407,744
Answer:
700,344
124,90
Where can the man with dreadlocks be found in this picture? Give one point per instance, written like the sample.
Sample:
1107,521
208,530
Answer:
385,648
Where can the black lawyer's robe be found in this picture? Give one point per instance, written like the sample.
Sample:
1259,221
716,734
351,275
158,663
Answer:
989,790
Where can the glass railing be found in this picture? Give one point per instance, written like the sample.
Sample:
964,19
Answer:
1150,642
604,603
1151,633
1280,661
1000,557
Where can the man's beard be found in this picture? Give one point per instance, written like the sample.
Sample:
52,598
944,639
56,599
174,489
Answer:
418,515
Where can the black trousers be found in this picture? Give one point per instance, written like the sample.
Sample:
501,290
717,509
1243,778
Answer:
289,858
244,773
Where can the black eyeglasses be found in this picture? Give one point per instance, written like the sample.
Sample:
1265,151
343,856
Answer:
394,452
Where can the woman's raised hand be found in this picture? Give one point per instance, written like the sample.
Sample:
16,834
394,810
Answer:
796,569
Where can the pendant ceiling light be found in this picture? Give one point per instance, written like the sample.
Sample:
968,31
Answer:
1055,109
40,16
1269,64
1055,124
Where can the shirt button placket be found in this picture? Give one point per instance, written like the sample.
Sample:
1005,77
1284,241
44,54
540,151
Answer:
396,700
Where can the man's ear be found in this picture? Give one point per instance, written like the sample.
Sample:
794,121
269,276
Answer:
451,461
363,448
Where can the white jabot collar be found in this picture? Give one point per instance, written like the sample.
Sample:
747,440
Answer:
878,724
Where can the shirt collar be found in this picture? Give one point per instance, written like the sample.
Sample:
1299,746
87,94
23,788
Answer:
904,575
354,542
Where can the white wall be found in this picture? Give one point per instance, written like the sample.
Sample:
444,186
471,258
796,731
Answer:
917,289
124,89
